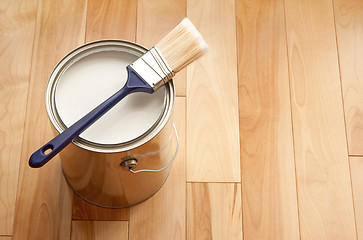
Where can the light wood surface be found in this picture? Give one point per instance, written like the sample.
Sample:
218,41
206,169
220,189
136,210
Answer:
322,169
155,18
163,216
356,166
349,31
265,121
111,19
212,97
99,230
83,210
214,211
44,200
267,159
17,23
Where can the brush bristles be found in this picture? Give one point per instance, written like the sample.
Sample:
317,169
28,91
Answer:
182,45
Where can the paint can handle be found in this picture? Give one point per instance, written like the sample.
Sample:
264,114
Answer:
167,165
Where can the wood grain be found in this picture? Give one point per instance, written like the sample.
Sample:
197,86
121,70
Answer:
5,237
267,158
83,210
155,18
356,166
349,31
163,215
214,211
17,24
44,201
322,170
99,230
212,96
111,19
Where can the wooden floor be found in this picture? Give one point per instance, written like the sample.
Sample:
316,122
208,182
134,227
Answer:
270,120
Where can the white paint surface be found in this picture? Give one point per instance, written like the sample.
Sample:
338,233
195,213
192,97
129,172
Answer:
93,79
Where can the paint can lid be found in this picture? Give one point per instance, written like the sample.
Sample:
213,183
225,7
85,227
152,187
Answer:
88,78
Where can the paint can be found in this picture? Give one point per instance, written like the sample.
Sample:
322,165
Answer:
125,157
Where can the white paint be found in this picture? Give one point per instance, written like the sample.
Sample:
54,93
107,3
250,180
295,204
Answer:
93,79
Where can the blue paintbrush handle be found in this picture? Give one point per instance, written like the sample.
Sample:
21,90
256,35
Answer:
134,84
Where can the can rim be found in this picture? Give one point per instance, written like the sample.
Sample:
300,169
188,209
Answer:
94,47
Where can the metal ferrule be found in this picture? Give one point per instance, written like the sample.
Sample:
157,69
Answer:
153,68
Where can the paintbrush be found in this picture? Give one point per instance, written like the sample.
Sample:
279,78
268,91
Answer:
177,49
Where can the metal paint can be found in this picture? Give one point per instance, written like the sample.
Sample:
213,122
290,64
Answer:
103,165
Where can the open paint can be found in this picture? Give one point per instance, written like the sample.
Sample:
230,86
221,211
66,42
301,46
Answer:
126,156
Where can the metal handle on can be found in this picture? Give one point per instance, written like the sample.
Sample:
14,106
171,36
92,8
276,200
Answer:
167,165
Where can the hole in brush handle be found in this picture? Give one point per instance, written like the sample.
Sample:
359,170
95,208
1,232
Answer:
42,156
47,149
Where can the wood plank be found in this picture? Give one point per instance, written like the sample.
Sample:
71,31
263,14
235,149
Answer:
349,31
5,237
322,170
267,156
44,201
17,24
111,19
100,230
356,168
212,96
214,211
155,18
163,215
83,210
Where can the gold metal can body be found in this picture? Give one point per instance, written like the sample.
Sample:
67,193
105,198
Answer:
116,175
